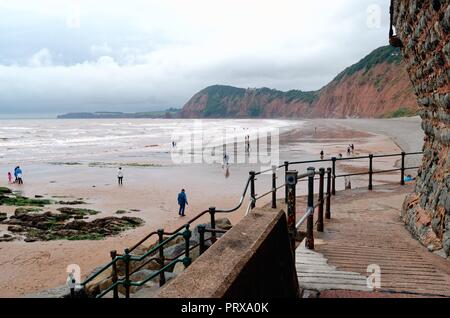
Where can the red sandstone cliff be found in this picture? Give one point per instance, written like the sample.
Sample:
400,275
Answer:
377,86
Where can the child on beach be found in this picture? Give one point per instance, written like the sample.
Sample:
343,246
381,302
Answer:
120,176
10,177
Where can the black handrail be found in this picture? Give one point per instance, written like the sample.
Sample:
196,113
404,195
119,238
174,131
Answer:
154,249
331,176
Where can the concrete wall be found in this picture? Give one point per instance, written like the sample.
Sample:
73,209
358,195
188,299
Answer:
423,26
253,259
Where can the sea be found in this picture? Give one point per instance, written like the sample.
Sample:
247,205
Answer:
44,140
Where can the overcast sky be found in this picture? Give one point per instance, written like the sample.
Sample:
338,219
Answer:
58,56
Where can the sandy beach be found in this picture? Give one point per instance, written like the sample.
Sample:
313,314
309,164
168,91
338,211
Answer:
151,188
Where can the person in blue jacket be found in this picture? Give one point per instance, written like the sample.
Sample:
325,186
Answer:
182,201
18,174
15,174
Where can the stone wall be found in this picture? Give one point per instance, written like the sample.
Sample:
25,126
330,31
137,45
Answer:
252,260
423,27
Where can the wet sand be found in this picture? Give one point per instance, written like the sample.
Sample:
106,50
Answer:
32,267
407,133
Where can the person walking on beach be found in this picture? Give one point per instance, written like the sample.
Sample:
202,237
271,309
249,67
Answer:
348,183
120,176
182,201
321,155
226,158
10,177
247,143
352,146
18,173
15,174
348,151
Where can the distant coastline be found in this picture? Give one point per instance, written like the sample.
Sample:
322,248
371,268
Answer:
169,113
25,116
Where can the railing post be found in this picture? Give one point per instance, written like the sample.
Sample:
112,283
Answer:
274,188
309,243
333,170
72,288
328,202
321,196
402,181
252,189
187,236
291,183
286,169
162,276
126,260
370,171
201,232
212,213
113,254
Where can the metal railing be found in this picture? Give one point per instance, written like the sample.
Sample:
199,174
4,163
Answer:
323,203
370,168
292,177
163,241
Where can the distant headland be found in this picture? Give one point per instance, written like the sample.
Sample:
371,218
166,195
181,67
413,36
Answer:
169,113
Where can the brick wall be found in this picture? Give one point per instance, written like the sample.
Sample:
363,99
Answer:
423,27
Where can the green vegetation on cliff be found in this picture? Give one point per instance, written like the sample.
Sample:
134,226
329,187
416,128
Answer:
219,97
297,95
401,112
215,106
344,96
384,54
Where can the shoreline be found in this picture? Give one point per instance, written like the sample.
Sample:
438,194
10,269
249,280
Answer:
153,190
405,132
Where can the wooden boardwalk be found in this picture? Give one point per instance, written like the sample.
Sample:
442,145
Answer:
366,230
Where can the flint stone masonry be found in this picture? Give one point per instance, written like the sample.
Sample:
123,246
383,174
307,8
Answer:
423,27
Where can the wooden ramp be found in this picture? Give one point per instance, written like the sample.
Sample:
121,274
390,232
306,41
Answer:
366,230
315,273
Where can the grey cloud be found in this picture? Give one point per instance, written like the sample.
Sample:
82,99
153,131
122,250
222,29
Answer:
131,59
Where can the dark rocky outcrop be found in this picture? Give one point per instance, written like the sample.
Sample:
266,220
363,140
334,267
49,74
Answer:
57,226
77,211
75,202
4,190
